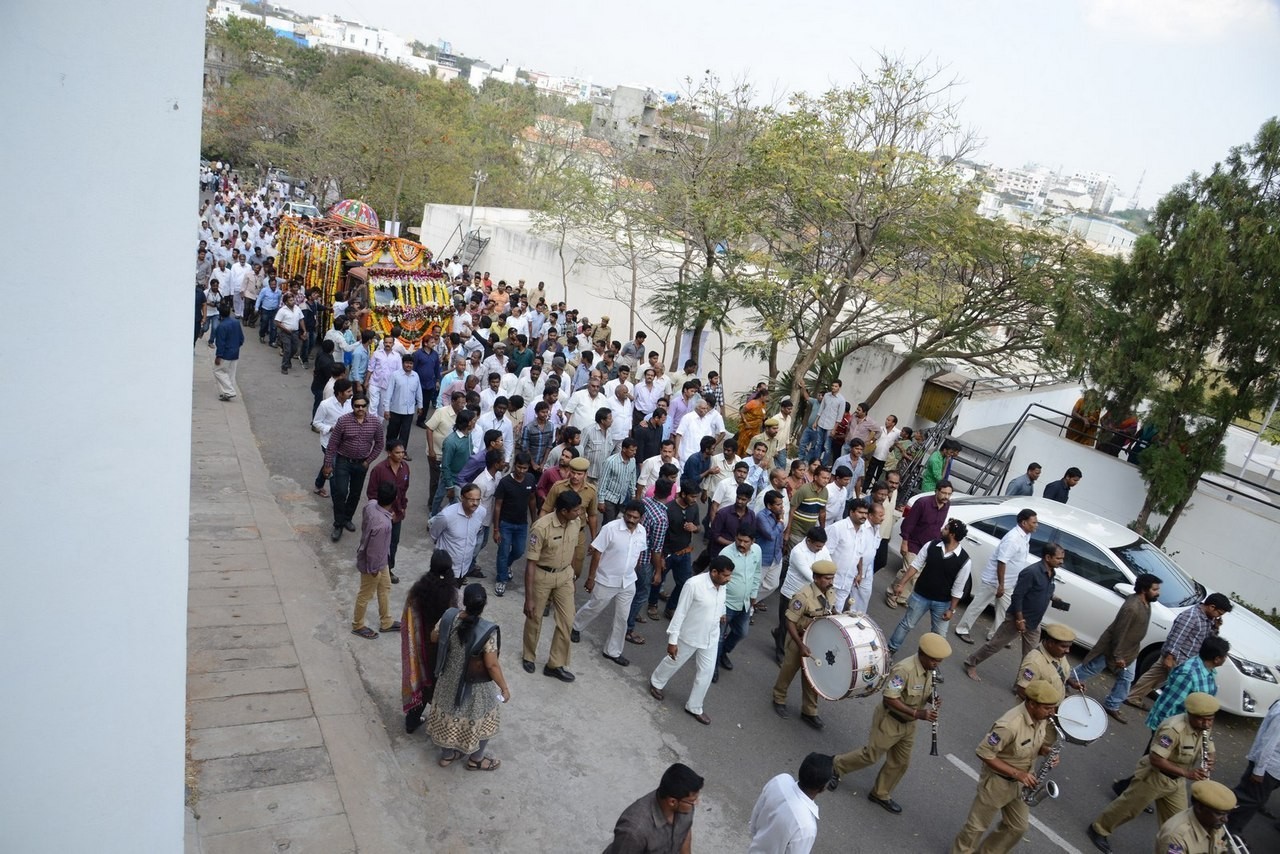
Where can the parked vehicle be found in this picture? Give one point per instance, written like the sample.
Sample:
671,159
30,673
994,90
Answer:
1103,559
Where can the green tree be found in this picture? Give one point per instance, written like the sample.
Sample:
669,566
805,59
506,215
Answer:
854,194
1203,336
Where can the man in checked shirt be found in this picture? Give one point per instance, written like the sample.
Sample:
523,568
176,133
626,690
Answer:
1188,631
355,444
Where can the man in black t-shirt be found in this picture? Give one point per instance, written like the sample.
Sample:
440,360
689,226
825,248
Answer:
513,504
677,549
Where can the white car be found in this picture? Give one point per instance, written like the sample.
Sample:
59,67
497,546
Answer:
1103,559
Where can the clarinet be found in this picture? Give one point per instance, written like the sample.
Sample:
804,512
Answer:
933,699
1204,752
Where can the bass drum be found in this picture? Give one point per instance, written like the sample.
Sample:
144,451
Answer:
850,657
1082,719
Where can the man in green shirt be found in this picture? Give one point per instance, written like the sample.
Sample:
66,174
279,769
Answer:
455,453
935,468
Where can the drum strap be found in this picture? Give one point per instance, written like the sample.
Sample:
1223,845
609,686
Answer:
1061,674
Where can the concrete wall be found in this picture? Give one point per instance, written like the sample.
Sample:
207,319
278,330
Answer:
1220,539
94,515
863,371
985,409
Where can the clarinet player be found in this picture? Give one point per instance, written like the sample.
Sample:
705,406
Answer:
904,701
1008,752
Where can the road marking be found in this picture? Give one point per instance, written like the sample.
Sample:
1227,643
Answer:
1035,822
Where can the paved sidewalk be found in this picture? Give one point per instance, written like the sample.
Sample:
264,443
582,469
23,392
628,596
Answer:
291,752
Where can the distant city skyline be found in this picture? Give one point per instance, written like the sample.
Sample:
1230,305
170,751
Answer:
1164,87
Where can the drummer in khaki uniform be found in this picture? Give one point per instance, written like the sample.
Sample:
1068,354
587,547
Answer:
1175,755
547,575
810,602
1047,661
577,482
893,725
1199,830
1008,753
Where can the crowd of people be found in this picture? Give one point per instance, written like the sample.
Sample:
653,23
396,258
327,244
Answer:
586,462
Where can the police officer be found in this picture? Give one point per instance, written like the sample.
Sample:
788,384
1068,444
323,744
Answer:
810,602
548,575
893,725
1176,754
1008,753
1047,661
577,482
1198,830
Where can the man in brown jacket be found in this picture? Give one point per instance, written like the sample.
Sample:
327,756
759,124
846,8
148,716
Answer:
1118,647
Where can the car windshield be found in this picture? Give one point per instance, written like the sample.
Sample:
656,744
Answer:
305,210
1177,589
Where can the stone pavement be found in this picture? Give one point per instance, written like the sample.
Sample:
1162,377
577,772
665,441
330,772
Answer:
290,752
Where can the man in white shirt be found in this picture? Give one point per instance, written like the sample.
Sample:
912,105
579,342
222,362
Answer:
1000,574
847,542
694,630
327,414
382,364
838,493
615,553
400,403
235,286
289,328
619,403
496,419
703,421
649,469
830,410
785,817
583,405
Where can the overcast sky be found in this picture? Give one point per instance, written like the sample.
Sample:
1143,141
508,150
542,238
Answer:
1120,86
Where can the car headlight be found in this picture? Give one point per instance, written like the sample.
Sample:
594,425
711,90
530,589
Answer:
1253,669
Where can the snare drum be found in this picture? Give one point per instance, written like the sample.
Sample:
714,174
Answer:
1081,719
852,659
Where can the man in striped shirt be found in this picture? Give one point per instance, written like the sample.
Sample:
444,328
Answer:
1188,631
354,444
617,480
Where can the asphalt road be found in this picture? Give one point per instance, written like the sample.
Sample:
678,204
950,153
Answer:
746,743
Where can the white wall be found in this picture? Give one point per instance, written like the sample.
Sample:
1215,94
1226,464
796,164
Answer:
101,102
1224,543
863,371
987,409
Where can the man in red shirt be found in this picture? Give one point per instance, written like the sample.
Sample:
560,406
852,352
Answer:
394,470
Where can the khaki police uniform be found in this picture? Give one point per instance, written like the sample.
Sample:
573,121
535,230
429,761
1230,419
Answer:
550,549
590,505
1015,739
1039,664
1184,834
807,605
891,732
1176,741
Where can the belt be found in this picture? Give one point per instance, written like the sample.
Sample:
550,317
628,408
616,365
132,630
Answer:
898,716
550,568
683,551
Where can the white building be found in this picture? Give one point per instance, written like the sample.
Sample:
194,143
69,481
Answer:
334,33
1101,235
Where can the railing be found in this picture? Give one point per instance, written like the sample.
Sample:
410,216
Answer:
1060,421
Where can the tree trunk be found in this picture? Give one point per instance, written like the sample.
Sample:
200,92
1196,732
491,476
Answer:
799,368
695,338
773,358
1167,528
564,271
1144,515
631,306
899,371
395,204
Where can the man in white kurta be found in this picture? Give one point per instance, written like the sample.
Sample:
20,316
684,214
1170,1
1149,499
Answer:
615,552
703,421
694,631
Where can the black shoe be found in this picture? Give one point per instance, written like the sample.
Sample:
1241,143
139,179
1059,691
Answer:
546,612
715,676
833,783
475,573
559,673
620,660
527,665
891,805
813,721
350,526
1099,841
575,635
725,662
777,657
780,709
1119,786
395,579
964,638
337,533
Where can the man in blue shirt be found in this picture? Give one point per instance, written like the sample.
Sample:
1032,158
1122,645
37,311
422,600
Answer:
227,340
426,364
268,301
1024,484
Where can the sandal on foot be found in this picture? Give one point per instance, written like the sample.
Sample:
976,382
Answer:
365,632
322,492
634,638
488,763
446,761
